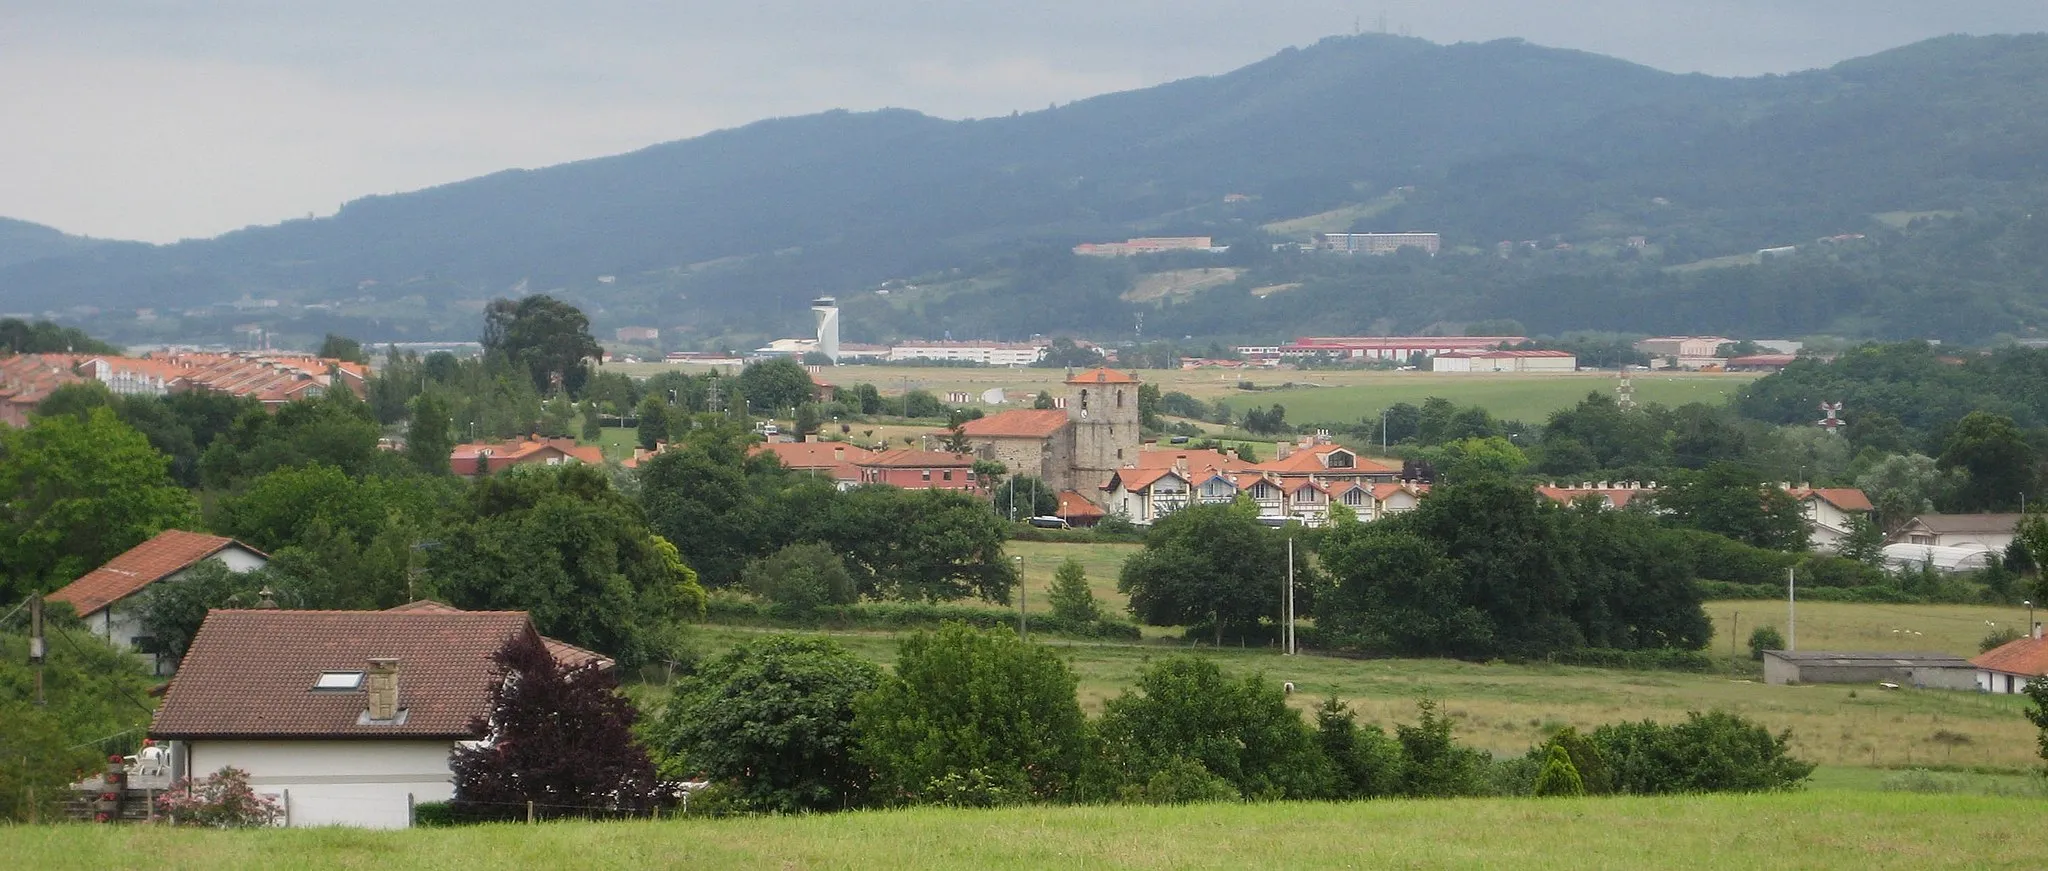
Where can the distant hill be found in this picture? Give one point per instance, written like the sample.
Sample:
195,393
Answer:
21,242
730,232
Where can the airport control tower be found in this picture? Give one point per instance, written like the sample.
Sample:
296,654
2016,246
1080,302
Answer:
827,311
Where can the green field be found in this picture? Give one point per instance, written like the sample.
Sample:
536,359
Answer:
1809,830
1527,398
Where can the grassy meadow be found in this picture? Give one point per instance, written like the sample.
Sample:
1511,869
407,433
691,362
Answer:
1815,830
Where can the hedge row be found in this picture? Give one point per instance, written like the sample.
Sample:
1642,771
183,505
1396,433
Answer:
907,615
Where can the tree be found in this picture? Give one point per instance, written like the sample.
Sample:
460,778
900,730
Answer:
1398,592
335,429
869,399
1367,762
1764,638
1865,541
546,338
1432,763
343,348
968,705
560,543
171,613
1490,457
1043,401
1207,564
918,545
1065,353
1997,458
561,738
1558,776
806,421
1024,497
1902,487
654,428
2037,713
1071,599
1241,731
430,438
801,578
1727,499
777,383
1713,752
592,429
772,720
92,709
74,493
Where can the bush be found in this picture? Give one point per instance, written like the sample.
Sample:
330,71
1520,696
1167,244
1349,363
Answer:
772,720
800,578
1650,659
970,708
1240,730
222,800
434,814
1998,638
1558,777
1367,762
1712,752
735,610
1764,638
1432,764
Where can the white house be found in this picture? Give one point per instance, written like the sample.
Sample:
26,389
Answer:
2008,667
345,717
1987,532
1830,512
107,596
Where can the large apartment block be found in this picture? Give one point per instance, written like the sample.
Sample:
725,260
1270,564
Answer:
1377,243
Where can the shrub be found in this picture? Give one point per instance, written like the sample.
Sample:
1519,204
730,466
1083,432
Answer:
800,578
1432,764
1998,638
964,700
222,800
1072,601
1367,762
1180,781
434,814
1712,752
1239,730
1558,777
772,719
1764,638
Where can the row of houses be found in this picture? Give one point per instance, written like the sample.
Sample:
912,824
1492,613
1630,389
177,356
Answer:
272,379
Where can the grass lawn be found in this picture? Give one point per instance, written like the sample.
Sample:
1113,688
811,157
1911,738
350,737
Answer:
1816,829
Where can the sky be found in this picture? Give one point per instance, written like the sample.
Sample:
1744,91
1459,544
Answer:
166,119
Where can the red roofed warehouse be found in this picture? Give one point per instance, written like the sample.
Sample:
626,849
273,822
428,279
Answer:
345,717
106,596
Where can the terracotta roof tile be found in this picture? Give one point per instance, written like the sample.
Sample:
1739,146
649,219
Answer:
169,552
910,459
1017,423
1845,498
250,674
1073,504
566,654
813,455
2023,656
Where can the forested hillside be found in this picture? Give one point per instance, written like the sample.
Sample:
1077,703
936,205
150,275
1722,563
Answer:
1924,160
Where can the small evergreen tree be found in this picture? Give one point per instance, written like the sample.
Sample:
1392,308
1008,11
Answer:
562,739
593,429
1072,601
1043,401
1368,763
1558,776
653,429
1433,765
429,441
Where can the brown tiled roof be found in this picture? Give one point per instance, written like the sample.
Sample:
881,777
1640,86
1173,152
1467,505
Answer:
250,674
1033,423
910,459
504,455
1845,498
1073,505
813,455
2024,656
566,655
1101,375
1968,523
168,553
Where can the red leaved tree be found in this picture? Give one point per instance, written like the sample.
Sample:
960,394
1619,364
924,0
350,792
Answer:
560,738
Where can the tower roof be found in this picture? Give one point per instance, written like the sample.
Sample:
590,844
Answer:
1101,375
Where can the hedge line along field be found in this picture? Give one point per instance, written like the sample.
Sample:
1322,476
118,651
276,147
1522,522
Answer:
1809,830
1506,708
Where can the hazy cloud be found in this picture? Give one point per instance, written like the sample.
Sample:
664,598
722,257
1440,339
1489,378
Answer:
157,120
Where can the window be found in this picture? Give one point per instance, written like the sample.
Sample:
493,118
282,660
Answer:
339,680
926,474
1340,459
1119,399
946,475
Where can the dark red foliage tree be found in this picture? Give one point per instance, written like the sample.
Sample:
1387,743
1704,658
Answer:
560,738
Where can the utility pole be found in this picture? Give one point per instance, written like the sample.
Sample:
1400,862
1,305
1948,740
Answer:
1023,629
1734,632
1791,611
38,649
1287,644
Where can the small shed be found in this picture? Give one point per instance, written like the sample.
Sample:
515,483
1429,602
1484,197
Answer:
1924,670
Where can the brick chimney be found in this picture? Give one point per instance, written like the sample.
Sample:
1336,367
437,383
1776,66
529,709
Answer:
383,680
1282,450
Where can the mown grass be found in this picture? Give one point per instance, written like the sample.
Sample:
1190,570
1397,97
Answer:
1956,629
1812,830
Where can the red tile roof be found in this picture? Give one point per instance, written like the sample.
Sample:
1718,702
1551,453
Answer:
1313,459
2022,656
1845,498
814,455
910,459
250,674
1197,458
1073,505
170,552
567,655
1101,375
1028,423
506,454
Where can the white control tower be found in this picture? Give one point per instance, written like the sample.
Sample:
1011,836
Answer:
826,309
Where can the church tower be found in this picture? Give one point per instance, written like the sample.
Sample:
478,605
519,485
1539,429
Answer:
1102,406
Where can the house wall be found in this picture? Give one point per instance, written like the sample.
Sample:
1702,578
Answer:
1778,671
362,783
120,623
1037,457
2000,682
1106,437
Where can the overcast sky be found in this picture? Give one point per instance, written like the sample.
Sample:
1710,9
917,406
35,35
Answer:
164,119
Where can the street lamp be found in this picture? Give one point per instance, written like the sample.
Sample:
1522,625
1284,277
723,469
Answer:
1023,630
2030,616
